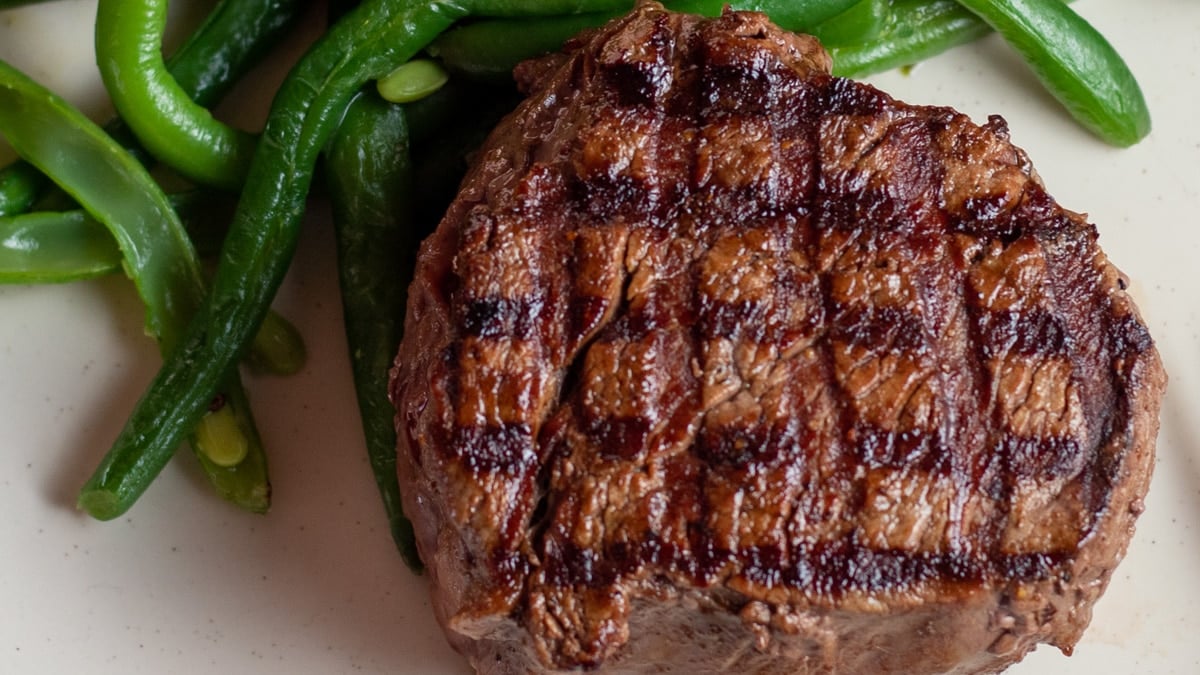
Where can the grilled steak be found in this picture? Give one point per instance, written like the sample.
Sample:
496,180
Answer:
718,363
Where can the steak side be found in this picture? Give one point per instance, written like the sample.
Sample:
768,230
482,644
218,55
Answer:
718,363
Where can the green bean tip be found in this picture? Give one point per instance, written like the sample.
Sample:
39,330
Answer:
100,504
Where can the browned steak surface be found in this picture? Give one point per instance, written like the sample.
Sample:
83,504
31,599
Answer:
720,363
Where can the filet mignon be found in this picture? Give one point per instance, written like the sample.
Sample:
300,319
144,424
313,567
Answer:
719,363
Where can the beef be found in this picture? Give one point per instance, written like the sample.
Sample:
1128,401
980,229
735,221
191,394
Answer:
718,363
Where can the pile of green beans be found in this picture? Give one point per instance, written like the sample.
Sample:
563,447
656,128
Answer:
330,107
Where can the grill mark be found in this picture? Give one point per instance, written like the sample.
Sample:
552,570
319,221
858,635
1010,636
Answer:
1066,335
978,476
505,449
740,445
771,321
998,488
776,324
880,329
1032,332
638,79
497,316
588,325
988,217
847,97
1040,332
936,451
768,320
1028,332
997,217
619,437
843,416
901,450
733,89
606,196
1041,458
824,569
842,567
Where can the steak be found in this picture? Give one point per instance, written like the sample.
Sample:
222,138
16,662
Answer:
718,363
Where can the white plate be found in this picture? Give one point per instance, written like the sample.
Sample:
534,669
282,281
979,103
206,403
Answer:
187,584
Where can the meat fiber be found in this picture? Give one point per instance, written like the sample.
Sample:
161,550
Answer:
718,363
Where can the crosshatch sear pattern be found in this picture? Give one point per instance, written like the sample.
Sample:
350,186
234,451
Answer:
711,330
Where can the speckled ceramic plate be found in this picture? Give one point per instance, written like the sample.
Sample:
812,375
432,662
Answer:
186,584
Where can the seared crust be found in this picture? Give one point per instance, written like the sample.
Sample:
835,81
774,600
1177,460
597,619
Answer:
714,344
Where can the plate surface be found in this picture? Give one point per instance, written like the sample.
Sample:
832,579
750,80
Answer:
186,584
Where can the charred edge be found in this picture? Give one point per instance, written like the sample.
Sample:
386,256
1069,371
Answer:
1131,342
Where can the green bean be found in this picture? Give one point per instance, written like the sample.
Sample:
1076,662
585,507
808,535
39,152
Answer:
231,39
129,55
370,178
227,421
860,24
117,191
234,36
369,42
917,30
75,153
488,50
788,14
51,247
368,169
57,247
1074,61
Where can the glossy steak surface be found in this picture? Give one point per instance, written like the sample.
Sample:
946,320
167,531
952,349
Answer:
719,363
